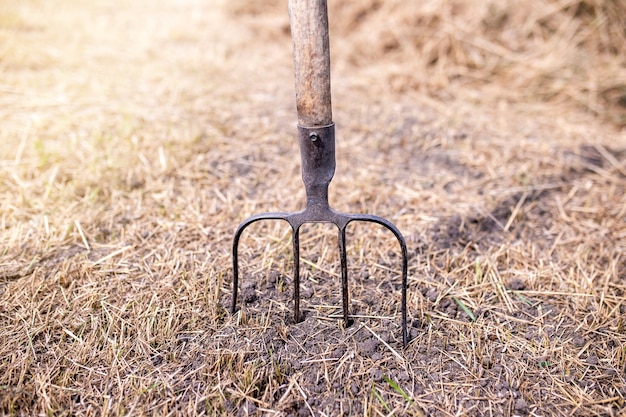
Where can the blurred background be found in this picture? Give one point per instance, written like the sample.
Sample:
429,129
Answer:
566,52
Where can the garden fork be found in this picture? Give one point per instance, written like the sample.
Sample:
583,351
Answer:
316,131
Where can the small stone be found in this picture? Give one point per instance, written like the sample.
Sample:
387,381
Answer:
579,341
592,359
521,406
517,284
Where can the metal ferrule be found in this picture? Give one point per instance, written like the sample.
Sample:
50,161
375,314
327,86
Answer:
317,150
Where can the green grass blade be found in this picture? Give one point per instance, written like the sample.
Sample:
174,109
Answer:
522,298
397,389
377,395
465,309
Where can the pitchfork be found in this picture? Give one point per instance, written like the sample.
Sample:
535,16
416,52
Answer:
316,131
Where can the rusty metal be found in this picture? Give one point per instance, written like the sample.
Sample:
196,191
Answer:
317,149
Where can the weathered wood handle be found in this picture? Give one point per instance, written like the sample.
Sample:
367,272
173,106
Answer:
311,58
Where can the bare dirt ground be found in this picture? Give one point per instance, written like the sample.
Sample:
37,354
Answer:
135,136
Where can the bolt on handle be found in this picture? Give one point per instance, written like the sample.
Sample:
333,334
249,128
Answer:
311,59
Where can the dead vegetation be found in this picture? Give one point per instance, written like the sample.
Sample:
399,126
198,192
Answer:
559,51
136,137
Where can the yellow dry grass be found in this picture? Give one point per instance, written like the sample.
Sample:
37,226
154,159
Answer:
136,136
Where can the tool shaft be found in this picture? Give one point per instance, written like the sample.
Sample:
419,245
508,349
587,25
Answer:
311,58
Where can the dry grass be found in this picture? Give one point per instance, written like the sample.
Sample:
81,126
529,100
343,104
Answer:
136,137
566,52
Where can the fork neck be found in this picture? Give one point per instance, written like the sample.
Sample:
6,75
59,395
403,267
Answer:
317,150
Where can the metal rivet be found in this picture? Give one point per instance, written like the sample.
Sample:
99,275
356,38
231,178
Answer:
314,137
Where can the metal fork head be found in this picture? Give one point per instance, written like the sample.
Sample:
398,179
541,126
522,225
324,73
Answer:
317,149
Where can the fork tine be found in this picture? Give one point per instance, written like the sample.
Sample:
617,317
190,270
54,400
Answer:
296,273
405,260
233,306
238,233
344,275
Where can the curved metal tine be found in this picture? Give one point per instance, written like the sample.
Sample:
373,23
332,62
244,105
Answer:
405,260
344,274
240,229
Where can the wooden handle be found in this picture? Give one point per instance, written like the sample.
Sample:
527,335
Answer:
311,58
